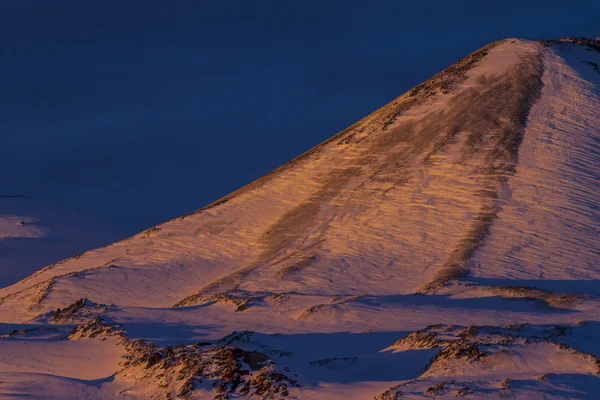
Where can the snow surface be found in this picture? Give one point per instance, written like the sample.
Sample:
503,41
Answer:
344,262
549,226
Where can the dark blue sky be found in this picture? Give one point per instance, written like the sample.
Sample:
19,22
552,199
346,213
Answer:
139,111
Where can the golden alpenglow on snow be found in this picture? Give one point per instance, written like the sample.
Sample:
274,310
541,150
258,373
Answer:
448,244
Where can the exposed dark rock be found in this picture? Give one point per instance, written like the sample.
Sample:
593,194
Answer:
79,311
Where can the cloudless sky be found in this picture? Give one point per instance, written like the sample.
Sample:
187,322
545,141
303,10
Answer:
139,111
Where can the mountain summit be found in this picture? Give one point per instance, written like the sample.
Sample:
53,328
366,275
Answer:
445,245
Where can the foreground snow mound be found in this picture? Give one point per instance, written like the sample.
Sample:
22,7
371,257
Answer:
446,245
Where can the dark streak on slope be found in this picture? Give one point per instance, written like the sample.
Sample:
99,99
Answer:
377,125
444,82
297,222
492,115
297,266
496,118
283,233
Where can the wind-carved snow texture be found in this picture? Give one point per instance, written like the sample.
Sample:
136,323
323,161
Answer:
556,185
445,245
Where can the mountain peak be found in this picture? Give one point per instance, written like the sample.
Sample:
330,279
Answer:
470,201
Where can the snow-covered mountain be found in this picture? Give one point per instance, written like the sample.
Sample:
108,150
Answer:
445,245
